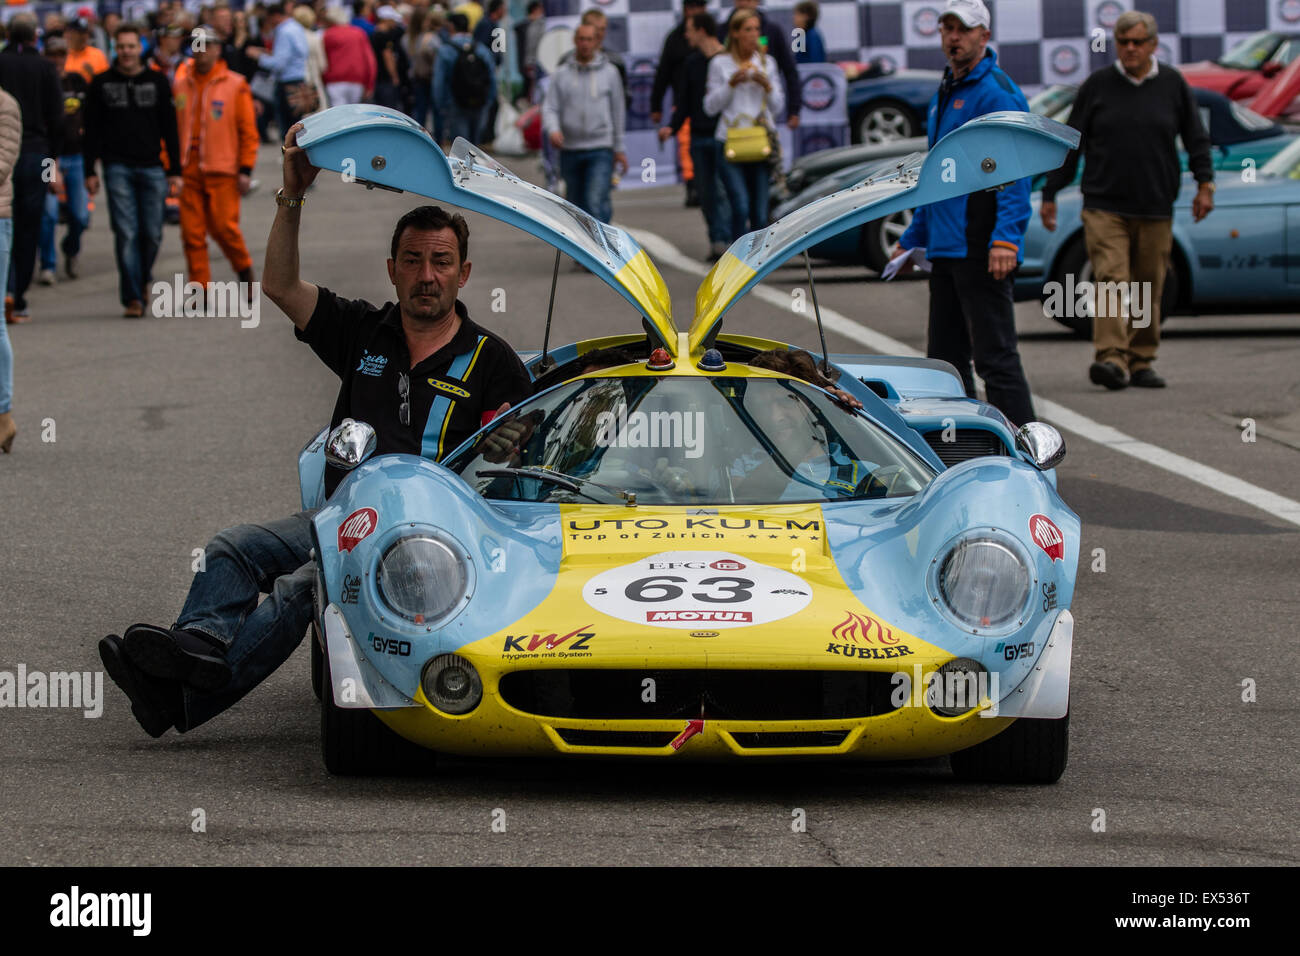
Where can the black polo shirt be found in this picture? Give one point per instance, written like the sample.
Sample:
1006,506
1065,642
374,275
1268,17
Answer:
449,392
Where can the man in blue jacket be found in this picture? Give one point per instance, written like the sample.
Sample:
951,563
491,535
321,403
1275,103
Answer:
975,242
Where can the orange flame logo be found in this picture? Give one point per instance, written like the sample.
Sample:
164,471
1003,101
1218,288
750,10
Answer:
857,627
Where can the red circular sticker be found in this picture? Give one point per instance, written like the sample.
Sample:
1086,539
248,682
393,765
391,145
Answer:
356,527
1047,536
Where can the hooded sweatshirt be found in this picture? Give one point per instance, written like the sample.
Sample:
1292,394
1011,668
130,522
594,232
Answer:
584,101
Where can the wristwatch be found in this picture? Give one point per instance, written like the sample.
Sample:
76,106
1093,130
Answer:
292,202
1208,185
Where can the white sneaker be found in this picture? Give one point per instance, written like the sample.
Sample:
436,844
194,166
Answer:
46,277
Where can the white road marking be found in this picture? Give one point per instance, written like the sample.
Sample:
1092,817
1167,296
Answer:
664,252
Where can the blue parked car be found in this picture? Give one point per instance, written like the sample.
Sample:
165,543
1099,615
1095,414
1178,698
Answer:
1237,255
886,105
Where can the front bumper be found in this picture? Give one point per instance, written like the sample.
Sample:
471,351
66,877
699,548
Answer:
907,731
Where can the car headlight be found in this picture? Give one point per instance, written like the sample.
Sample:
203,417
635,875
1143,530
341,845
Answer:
984,582
422,579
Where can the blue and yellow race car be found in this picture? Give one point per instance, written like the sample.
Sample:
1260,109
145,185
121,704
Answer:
676,554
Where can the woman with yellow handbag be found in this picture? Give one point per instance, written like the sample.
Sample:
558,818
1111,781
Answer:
744,90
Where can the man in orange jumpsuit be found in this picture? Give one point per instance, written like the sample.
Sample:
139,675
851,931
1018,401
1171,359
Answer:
218,141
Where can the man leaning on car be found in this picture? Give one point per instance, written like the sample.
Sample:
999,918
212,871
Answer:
392,361
1130,116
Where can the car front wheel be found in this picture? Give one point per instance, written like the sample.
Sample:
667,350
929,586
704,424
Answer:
1029,751
880,236
883,121
357,743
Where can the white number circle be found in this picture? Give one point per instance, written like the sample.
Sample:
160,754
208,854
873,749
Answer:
694,589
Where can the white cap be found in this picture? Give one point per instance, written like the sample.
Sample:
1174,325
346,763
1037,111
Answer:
973,13
389,12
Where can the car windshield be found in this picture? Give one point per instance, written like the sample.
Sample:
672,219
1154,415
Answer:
1285,163
1252,52
679,441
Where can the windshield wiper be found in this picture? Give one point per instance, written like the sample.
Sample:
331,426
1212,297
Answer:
567,482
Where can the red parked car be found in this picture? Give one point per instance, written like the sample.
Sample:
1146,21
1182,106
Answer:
1241,72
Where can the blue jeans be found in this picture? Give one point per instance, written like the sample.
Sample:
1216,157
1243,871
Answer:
422,91
706,156
747,188
240,564
462,122
6,351
135,208
74,180
586,174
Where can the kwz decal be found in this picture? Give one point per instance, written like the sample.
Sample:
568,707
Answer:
558,645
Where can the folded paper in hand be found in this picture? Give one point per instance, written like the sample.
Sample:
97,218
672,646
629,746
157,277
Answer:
917,255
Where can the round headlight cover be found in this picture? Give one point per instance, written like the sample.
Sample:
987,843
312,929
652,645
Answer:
984,582
452,684
421,578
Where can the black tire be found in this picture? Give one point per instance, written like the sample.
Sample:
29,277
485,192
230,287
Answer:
880,236
1029,751
317,657
883,121
1074,261
357,743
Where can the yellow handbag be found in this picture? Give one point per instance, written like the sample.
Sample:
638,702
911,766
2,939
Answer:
747,144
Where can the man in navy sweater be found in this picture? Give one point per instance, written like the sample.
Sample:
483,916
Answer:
975,242
1130,115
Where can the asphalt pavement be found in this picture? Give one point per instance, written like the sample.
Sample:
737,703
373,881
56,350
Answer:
140,439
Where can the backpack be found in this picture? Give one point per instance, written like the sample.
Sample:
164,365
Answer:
471,79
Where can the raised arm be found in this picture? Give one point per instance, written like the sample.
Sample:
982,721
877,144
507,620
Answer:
280,279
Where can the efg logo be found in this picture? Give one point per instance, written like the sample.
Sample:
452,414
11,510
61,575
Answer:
1108,12
1065,60
818,92
926,21
1289,10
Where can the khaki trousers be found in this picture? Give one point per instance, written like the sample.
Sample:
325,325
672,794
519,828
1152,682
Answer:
1126,250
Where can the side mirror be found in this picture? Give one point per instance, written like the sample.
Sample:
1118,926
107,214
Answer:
1271,68
349,444
1042,443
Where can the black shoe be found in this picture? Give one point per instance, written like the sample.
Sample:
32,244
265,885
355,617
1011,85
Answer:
692,195
187,656
1146,378
155,704
1108,374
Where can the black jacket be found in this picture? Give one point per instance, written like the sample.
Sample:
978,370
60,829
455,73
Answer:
668,73
1128,143
34,82
129,119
